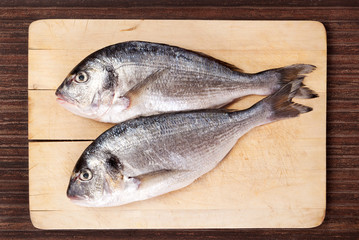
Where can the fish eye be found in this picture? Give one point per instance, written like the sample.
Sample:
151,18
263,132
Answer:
85,175
81,77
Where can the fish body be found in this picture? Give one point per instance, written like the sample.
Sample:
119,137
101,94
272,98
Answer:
149,156
132,79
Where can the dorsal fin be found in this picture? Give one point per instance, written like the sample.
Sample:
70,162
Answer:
228,65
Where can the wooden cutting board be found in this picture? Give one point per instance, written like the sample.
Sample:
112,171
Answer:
275,177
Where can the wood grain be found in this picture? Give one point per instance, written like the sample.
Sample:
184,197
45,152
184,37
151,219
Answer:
278,170
51,57
150,213
341,220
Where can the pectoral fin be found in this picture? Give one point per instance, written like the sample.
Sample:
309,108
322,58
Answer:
150,178
120,104
131,183
137,90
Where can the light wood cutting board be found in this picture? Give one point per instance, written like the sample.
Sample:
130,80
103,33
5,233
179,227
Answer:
275,177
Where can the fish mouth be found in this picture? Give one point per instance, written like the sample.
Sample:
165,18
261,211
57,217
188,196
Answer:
61,98
76,198
73,196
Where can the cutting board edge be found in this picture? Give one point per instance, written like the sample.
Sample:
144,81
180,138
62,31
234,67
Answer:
33,212
236,224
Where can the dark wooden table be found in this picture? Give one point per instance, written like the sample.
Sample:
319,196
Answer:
341,19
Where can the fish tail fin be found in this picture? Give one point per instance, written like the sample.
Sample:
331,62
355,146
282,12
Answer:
296,71
279,77
280,106
273,108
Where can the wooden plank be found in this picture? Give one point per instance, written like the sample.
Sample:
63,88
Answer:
61,124
194,34
161,3
223,41
278,170
279,190
60,62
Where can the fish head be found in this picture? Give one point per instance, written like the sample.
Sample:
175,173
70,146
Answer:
95,179
88,90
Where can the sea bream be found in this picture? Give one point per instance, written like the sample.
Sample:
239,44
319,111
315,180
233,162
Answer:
132,79
149,156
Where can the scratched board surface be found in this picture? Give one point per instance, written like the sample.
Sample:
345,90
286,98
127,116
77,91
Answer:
275,176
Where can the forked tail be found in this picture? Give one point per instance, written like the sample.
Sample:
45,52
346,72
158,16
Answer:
280,106
274,107
276,78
